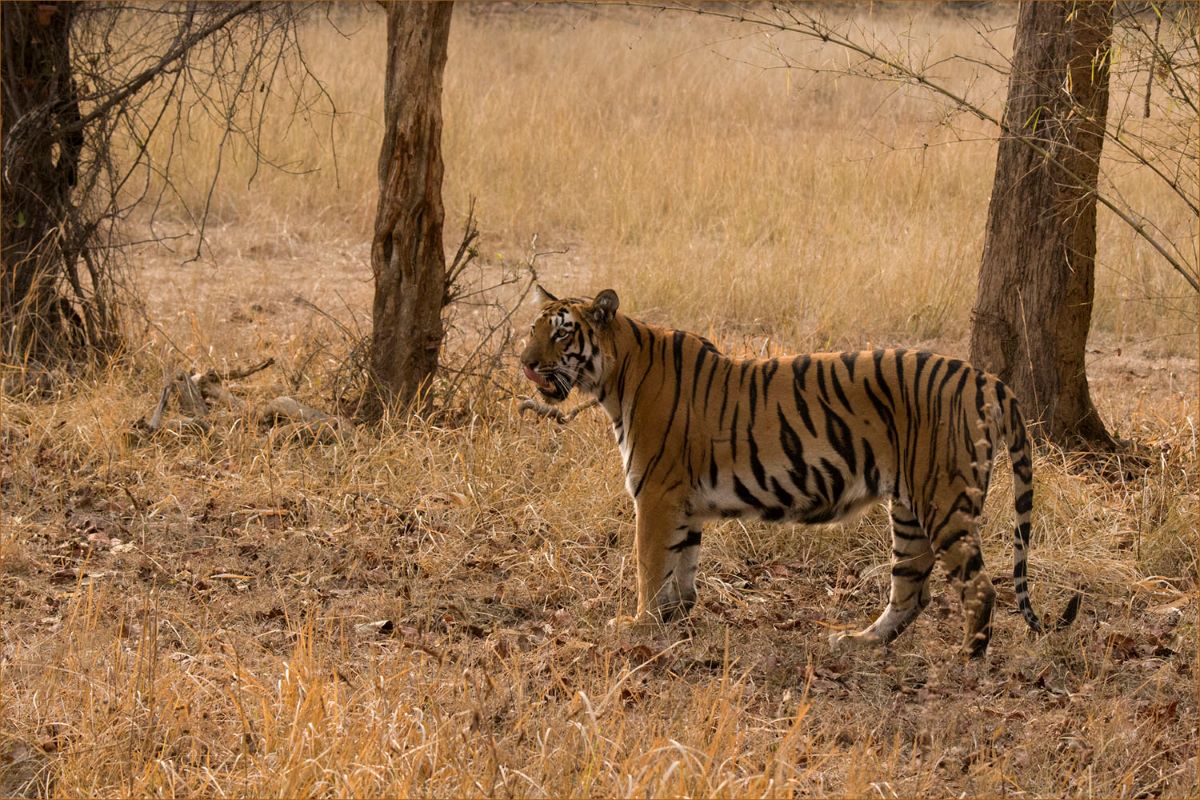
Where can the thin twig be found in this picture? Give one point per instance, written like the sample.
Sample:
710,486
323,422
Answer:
550,412
1150,70
237,374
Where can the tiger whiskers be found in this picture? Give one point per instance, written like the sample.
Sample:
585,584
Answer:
562,381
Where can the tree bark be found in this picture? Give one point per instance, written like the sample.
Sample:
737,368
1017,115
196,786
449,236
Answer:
44,309
407,258
1036,279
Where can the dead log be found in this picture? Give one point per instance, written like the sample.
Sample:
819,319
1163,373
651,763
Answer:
188,395
212,384
190,400
194,393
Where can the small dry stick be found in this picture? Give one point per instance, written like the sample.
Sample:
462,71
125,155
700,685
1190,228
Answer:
188,395
156,418
234,374
543,410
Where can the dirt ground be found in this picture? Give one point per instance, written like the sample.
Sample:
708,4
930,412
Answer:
422,608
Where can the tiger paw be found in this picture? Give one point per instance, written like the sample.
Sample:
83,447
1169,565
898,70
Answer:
635,624
840,641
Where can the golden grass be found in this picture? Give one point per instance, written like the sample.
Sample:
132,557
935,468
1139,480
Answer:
223,653
224,646
695,178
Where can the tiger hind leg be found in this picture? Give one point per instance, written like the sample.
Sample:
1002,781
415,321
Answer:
912,562
958,548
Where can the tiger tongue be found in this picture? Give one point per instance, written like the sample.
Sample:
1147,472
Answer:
536,377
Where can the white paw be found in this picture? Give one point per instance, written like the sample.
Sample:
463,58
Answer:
636,624
840,641
837,640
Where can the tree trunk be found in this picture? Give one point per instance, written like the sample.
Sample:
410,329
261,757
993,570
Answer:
1033,310
45,310
406,254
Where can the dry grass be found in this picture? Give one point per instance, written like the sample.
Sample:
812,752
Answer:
222,645
665,147
216,647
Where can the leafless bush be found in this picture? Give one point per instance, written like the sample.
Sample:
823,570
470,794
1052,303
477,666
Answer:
87,89
482,299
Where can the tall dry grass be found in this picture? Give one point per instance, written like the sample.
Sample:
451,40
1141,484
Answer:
195,616
699,178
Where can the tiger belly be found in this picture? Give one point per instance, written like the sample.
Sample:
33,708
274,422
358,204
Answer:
775,499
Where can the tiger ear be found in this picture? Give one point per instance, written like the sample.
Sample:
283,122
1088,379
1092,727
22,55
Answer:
541,296
604,307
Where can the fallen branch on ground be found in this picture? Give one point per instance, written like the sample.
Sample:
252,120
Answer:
306,423
199,394
190,401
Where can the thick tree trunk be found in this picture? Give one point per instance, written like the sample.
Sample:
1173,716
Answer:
1033,310
406,254
44,309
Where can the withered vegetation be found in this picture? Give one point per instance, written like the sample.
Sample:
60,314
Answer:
420,607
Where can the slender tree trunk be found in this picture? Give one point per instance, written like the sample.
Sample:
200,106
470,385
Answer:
406,254
1033,310
41,297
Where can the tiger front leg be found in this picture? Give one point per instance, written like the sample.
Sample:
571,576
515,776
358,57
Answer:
667,551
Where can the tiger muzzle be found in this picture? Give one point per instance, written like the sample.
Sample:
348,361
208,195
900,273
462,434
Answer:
550,389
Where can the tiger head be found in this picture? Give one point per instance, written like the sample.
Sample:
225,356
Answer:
564,349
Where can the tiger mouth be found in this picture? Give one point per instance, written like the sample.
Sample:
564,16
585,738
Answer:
552,387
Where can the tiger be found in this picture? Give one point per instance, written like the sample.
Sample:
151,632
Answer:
811,438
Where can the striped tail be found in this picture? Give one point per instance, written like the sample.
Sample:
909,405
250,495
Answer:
1019,455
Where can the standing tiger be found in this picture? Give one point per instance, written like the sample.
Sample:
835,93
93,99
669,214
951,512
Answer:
811,438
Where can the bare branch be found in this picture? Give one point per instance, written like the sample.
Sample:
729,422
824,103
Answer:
550,412
178,51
